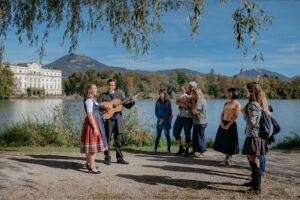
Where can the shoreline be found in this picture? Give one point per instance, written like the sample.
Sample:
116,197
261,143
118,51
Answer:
81,97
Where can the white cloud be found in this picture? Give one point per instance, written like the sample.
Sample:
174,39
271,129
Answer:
291,48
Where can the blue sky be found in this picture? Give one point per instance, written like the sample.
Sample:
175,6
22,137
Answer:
213,47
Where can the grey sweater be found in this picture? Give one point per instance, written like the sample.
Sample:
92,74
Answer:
201,117
252,119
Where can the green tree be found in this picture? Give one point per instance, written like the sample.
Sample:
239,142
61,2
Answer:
75,84
182,78
7,84
133,22
212,87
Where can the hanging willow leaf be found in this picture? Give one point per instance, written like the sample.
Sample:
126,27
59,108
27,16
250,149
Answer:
133,23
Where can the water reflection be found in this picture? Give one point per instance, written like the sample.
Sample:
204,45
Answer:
286,112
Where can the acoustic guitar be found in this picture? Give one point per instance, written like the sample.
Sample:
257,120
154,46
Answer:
116,106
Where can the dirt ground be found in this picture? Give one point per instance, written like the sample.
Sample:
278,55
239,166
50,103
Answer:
148,176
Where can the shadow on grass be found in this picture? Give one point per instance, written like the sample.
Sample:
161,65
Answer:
183,183
56,157
136,150
60,157
186,160
202,171
51,163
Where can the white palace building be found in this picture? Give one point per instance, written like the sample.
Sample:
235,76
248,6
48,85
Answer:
34,76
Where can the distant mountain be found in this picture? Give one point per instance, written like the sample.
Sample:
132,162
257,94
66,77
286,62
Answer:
187,71
79,63
252,73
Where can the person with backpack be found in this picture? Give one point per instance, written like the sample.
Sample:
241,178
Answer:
226,140
276,128
164,115
254,145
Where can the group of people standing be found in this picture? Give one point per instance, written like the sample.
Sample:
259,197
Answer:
97,131
192,118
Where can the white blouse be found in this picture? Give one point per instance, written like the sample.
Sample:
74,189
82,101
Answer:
89,105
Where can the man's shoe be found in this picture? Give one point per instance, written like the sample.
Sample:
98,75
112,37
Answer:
180,151
187,154
107,160
122,161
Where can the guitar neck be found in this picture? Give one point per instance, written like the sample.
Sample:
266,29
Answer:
130,99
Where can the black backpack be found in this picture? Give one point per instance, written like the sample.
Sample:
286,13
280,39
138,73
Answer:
265,126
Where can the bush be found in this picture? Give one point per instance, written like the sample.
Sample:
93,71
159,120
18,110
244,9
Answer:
62,130
134,134
289,142
59,131
32,134
209,143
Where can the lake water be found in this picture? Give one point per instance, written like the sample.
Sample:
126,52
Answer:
286,112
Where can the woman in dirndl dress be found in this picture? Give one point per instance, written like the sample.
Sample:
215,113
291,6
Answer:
93,138
226,140
254,146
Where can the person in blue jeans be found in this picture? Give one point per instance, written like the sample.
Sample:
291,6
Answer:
269,109
200,122
163,113
183,121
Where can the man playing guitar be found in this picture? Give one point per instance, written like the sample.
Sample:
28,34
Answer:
115,124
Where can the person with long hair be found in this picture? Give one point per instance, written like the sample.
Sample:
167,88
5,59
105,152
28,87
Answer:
268,109
199,122
254,146
93,139
226,140
163,113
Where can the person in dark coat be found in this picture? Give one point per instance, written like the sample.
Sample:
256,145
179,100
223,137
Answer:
164,115
115,125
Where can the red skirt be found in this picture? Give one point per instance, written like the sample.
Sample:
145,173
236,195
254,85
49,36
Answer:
89,142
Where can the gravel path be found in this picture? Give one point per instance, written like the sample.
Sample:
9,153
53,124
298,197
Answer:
149,176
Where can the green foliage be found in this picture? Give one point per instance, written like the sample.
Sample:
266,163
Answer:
215,86
74,84
134,23
6,82
59,131
63,131
250,20
32,134
289,142
134,134
209,143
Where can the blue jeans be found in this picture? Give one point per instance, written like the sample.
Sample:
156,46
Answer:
199,144
186,124
168,138
262,159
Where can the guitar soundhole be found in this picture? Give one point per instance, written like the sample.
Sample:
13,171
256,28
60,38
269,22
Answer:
114,106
